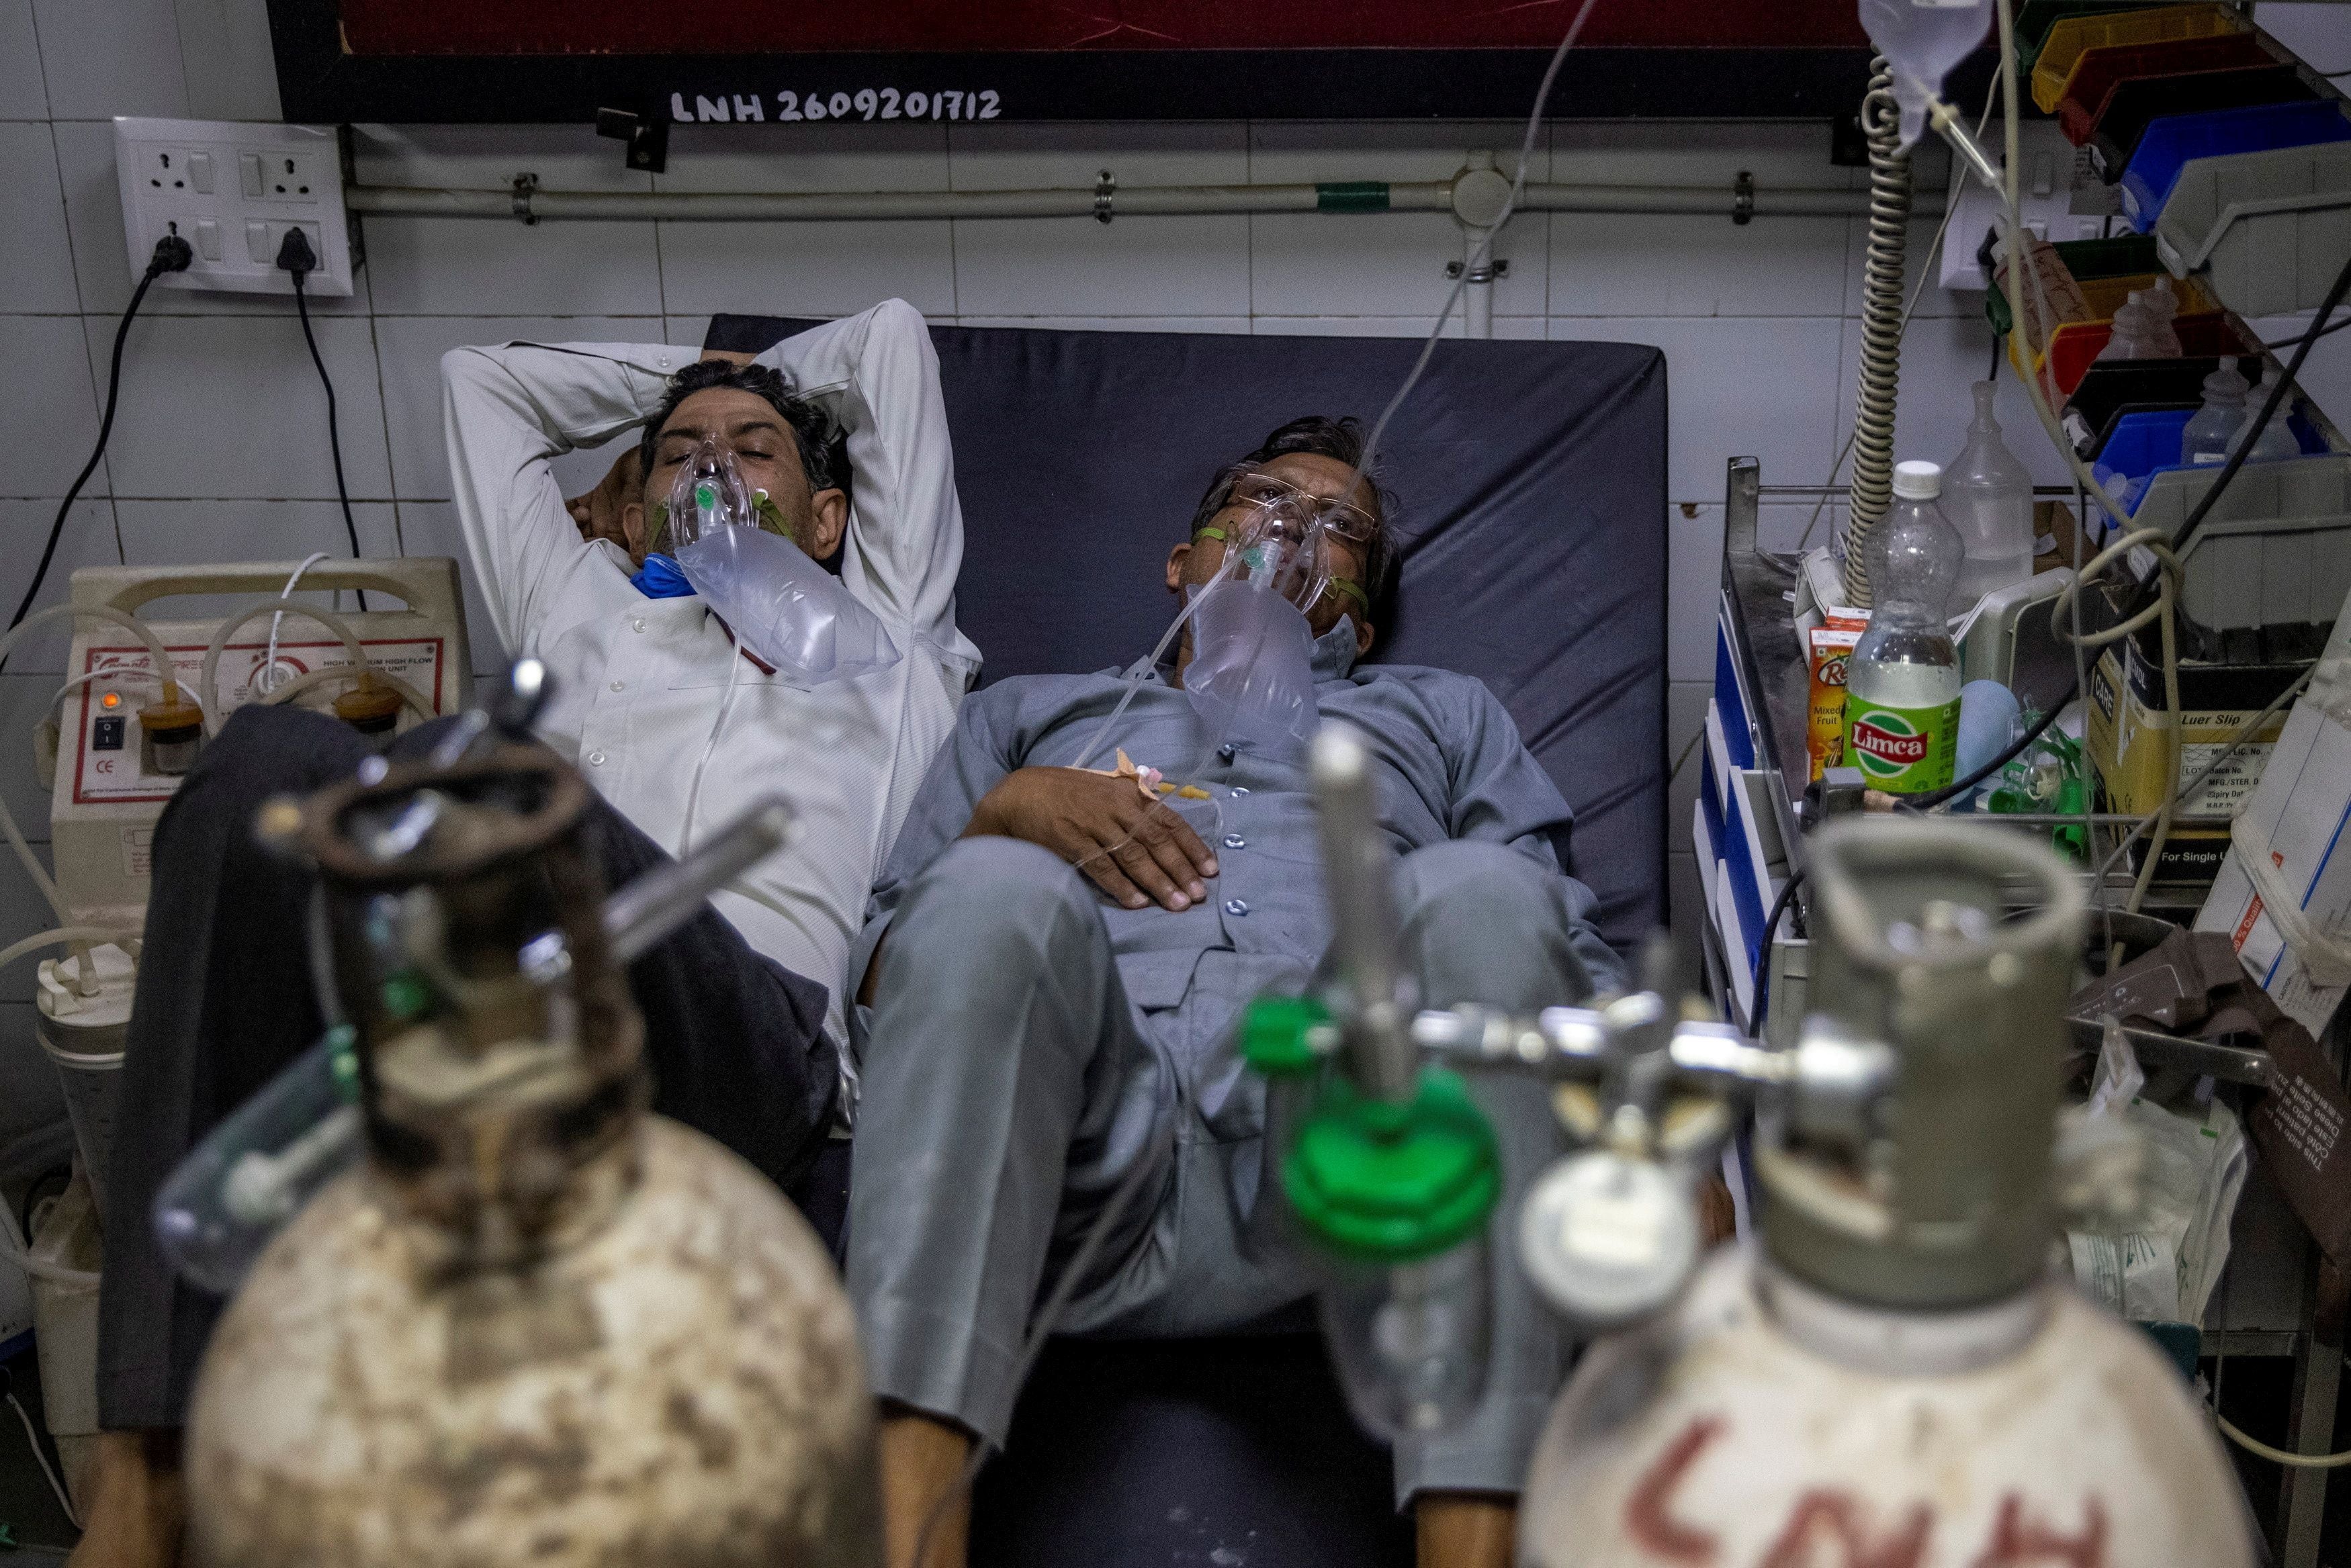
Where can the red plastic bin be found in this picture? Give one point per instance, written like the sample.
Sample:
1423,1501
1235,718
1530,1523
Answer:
2072,348
2100,69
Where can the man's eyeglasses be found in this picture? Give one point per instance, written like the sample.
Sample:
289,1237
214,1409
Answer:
1254,487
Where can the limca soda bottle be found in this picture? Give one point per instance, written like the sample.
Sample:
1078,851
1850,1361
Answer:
1902,684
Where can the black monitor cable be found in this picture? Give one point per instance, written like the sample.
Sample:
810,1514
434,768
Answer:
295,255
172,254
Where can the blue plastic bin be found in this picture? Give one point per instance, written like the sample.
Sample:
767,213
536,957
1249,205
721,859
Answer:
2173,139
2145,445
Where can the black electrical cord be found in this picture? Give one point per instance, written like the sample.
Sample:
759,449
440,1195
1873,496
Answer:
2290,342
2015,749
172,254
298,260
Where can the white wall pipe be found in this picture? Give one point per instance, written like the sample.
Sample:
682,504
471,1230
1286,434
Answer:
719,207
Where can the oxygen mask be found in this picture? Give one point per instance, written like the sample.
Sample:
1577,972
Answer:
709,493
1285,540
1284,550
1251,677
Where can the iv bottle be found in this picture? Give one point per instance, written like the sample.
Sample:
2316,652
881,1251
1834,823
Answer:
2140,332
2212,430
2276,440
1902,682
1987,497
2220,427
2163,309
1922,40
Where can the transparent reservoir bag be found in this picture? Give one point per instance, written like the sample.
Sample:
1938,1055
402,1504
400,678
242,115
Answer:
1922,40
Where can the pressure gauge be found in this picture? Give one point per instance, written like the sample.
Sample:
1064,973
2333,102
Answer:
1608,1239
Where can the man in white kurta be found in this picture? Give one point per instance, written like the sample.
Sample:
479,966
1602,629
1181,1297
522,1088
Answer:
647,693
642,702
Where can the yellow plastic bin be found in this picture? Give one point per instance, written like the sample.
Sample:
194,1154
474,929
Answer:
2073,36
2105,296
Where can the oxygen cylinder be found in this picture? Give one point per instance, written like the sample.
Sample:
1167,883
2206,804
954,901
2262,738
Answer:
537,1324
1894,1378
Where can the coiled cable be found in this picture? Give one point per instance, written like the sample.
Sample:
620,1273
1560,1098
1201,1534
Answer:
1871,490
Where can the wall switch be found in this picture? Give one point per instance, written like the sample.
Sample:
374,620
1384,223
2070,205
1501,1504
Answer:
2045,203
173,180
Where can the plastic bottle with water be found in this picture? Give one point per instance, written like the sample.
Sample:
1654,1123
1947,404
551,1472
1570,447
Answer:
2215,431
1902,682
1987,497
2212,431
2142,328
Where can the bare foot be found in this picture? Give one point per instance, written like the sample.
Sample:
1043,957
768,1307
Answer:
138,1513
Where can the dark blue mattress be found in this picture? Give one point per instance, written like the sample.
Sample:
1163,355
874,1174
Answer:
1533,477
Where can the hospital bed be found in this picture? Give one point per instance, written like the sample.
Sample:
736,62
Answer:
1532,483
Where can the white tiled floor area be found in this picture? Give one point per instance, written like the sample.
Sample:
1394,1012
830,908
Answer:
220,438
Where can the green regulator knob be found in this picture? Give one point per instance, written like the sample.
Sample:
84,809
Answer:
1386,1183
1279,1035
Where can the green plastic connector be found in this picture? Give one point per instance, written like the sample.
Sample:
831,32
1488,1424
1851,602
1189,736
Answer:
1277,1035
1383,1182
1352,196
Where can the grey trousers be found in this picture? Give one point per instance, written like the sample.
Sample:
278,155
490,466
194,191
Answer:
1010,1086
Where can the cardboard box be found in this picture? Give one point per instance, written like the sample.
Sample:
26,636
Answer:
2299,808
2128,726
1831,646
2054,521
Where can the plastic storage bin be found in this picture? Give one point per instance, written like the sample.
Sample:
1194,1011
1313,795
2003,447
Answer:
2135,104
2099,71
2269,230
2105,296
2074,344
2073,349
2073,36
2087,261
2035,17
2112,391
2276,549
2171,143
2146,443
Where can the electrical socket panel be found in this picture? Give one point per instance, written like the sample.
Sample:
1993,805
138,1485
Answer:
232,190
2057,199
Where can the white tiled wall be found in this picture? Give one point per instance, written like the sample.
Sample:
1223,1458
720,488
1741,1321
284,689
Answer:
220,441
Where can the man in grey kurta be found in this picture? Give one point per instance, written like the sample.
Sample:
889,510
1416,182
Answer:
1041,1023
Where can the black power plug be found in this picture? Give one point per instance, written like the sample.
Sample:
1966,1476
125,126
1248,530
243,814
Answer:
173,254
295,255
